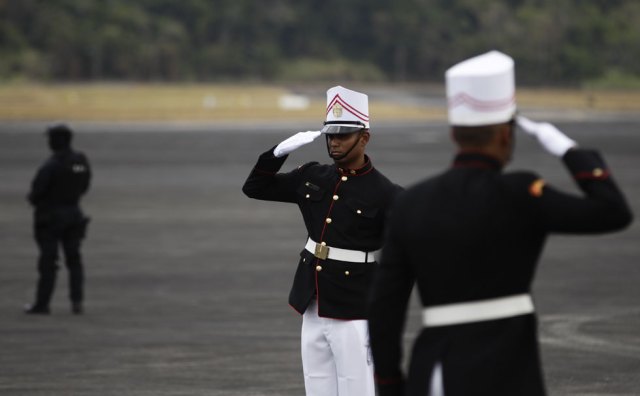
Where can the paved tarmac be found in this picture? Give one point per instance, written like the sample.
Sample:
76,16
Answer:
187,279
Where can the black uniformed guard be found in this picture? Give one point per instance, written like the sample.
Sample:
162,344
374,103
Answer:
58,220
344,207
470,238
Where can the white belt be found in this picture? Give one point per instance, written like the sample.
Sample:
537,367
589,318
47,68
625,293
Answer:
326,252
477,311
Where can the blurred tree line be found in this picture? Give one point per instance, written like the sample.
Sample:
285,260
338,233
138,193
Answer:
553,41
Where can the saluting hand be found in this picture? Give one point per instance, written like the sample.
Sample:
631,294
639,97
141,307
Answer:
294,142
550,137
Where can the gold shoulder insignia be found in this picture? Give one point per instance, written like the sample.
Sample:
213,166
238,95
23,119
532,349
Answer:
535,189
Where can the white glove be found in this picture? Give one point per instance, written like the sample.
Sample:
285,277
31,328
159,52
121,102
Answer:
550,137
294,142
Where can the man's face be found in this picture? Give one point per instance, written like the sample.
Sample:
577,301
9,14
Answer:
340,144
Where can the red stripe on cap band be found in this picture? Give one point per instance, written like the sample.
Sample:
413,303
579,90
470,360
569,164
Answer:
480,105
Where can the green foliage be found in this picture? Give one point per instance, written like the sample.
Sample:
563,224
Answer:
321,70
553,41
614,79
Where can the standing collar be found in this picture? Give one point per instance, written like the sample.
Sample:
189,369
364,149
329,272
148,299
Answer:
470,159
364,169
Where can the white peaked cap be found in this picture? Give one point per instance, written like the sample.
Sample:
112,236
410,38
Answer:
481,90
347,111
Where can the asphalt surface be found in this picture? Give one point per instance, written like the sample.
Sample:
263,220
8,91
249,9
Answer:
187,279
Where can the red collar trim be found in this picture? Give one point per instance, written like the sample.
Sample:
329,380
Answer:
363,170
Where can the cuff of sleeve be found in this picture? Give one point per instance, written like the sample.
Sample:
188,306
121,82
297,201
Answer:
269,163
389,379
586,164
395,389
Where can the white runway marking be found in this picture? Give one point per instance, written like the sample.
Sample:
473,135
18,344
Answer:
568,331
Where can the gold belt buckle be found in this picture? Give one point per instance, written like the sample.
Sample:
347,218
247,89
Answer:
322,251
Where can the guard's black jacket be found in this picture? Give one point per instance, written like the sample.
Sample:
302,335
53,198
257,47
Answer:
344,208
474,233
57,188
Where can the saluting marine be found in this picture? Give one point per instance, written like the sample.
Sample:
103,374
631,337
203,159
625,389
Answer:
343,206
470,238
58,220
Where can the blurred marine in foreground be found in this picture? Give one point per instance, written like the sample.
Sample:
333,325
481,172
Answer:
344,207
471,238
58,220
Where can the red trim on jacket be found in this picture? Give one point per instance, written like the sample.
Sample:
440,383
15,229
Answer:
363,170
596,174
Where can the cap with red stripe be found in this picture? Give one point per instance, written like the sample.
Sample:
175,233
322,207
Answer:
481,90
347,111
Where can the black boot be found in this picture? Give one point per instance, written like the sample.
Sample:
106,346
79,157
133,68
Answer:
36,310
76,308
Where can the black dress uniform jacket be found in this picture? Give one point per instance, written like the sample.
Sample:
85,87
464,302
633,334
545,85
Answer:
345,209
474,233
57,187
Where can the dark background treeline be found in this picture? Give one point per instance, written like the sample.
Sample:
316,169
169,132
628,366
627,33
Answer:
554,41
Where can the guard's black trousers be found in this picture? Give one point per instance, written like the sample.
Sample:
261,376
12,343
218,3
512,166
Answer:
48,238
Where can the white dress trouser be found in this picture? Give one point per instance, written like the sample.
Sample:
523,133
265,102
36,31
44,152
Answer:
336,358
